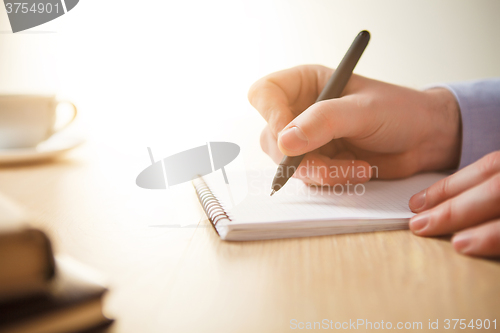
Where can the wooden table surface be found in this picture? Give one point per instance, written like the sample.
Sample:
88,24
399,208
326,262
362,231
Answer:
185,279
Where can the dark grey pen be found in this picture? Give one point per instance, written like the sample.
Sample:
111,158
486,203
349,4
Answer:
333,89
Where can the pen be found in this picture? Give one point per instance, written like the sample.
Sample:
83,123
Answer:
332,89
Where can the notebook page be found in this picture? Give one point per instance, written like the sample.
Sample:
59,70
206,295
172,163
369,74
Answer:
377,199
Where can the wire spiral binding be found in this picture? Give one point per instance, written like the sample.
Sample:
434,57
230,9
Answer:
211,205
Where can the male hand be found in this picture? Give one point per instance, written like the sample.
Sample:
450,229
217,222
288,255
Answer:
467,202
375,126
399,131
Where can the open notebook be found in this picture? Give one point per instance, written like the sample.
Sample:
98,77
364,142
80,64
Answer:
298,210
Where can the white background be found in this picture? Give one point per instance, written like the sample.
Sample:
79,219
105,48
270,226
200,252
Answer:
174,74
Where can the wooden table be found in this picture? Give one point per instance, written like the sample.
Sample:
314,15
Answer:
173,279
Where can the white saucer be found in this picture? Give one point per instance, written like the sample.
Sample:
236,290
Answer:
54,147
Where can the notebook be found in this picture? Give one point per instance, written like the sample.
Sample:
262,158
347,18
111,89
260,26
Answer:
298,210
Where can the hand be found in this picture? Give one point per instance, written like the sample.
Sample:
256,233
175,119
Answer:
467,202
388,129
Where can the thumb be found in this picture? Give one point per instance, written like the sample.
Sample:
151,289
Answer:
323,122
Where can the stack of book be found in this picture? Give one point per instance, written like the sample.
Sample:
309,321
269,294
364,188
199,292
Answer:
40,293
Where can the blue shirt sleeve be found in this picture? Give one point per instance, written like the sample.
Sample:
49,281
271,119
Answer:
479,103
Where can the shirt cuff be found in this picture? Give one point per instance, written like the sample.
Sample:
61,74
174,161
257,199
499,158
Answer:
479,103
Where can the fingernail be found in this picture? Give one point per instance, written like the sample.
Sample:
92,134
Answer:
293,139
419,222
417,201
462,241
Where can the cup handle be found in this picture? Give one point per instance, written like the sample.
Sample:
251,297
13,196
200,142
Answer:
75,112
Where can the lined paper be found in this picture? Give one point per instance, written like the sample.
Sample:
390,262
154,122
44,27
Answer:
375,200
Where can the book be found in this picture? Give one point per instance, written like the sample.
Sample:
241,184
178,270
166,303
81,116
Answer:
298,210
26,258
73,304
27,263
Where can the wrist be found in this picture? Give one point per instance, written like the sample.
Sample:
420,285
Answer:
441,146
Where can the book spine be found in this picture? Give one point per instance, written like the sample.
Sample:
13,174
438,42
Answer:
211,205
46,245
27,263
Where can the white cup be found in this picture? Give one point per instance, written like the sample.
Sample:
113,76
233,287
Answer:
27,120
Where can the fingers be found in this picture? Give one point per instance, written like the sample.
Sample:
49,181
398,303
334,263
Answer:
318,169
472,207
468,201
281,96
389,166
324,121
271,101
269,145
483,240
457,183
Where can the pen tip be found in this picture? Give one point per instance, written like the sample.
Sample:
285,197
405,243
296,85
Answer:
273,192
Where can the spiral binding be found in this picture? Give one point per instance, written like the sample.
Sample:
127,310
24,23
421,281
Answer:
211,205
